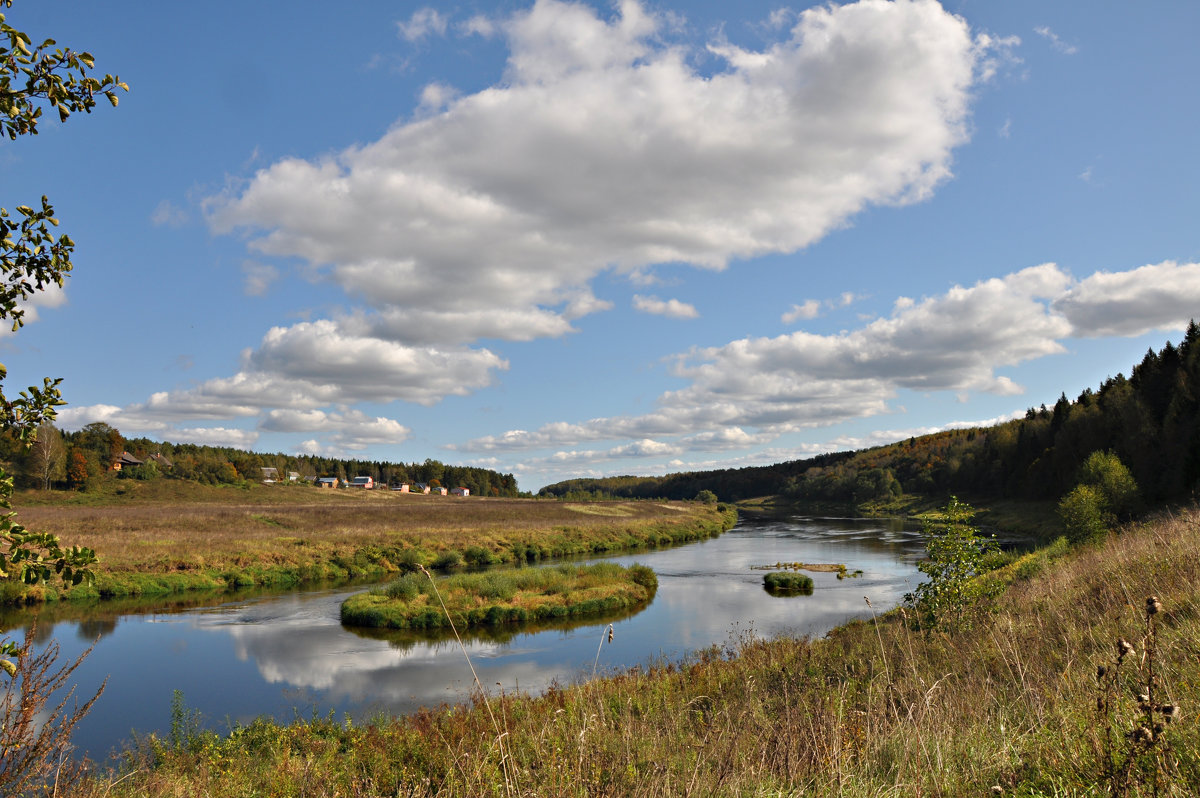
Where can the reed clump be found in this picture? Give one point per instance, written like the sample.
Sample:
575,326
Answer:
882,708
788,583
499,597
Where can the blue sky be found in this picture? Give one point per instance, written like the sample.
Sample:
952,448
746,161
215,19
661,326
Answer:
572,239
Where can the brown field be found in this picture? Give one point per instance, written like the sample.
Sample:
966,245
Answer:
211,529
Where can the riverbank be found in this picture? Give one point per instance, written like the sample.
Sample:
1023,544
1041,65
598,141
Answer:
417,601
280,536
875,708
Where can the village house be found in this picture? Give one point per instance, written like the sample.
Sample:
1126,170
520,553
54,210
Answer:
460,492
327,482
126,460
161,461
363,482
269,475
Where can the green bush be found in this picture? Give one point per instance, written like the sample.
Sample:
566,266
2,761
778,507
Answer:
451,558
955,556
1083,514
478,556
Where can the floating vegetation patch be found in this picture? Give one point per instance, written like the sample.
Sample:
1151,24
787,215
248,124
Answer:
817,567
788,582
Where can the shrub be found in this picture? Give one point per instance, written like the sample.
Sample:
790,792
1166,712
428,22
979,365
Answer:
1117,488
1083,514
478,556
409,560
451,558
954,559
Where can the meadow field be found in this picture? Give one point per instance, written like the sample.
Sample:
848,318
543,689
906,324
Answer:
182,537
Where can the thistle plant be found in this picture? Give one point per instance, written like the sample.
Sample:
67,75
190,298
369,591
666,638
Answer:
1135,753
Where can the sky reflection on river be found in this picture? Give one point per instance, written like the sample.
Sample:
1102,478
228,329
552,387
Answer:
288,655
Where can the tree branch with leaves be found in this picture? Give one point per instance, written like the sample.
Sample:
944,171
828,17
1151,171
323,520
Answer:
34,79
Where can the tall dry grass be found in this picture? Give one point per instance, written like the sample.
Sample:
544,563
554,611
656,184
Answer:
874,709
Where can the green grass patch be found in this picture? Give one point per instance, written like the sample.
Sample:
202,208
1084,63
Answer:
414,601
788,582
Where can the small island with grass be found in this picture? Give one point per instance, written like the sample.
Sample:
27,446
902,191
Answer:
416,601
788,582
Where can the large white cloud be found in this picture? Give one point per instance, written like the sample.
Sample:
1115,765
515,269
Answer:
762,387
606,148
1161,296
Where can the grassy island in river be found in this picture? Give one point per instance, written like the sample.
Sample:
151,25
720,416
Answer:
415,601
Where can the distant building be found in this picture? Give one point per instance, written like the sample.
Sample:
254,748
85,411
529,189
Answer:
363,482
269,474
327,482
293,476
126,460
460,492
440,491
401,487
161,461
421,487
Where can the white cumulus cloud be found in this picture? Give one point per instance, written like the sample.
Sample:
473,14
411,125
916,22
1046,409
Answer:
671,308
517,196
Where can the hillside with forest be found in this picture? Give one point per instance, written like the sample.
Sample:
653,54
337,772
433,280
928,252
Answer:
1149,420
84,460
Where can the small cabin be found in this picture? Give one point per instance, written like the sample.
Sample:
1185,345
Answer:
460,492
367,483
126,460
327,482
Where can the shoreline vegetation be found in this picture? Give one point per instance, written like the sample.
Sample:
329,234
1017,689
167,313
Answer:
493,598
1032,699
212,539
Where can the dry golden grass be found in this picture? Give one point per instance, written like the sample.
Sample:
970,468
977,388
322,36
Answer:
302,526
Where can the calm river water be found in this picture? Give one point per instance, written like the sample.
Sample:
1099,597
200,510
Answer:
287,655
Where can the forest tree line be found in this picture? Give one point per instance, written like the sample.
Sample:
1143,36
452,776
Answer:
84,459
1149,420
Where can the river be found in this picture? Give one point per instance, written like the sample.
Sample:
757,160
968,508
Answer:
286,655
